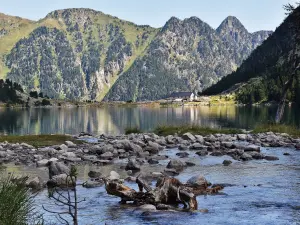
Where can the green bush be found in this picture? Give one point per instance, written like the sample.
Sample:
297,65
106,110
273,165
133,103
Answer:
16,202
132,130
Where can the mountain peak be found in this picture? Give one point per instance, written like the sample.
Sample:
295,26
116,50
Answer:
172,23
231,23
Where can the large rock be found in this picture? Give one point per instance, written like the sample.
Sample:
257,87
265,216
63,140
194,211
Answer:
94,174
199,139
198,181
252,148
133,165
61,180
256,155
92,184
35,183
70,144
246,157
198,146
188,137
176,164
57,168
170,139
152,161
114,175
3,154
63,147
107,155
242,137
69,154
153,147
105,148
42,163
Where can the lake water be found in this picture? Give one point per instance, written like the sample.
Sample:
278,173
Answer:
261,192
114,119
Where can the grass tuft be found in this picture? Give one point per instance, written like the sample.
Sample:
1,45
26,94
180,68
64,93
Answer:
277,128
133,130
194,129
39,140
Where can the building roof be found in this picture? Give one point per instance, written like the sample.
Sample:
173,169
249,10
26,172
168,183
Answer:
180,94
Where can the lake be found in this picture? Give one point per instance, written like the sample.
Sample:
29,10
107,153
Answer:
114,119
260,192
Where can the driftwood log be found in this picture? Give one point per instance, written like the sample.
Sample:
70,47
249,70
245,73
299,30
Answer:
168,192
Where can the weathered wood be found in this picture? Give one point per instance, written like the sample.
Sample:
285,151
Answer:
168,192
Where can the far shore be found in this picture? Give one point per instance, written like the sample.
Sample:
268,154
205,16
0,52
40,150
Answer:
160,103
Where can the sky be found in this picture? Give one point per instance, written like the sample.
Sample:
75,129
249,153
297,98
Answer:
254,14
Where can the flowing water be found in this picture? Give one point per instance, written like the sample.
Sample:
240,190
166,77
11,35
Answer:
114,119
260,192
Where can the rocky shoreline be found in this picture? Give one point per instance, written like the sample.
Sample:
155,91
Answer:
141,149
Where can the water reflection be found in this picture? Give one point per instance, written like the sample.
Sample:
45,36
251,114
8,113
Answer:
114,119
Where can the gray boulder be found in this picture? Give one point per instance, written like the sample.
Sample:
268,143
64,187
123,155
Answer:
57,168
3,154
133,165
176,164
252,148
70,144
114,175
246,157
42,163
198,181
94,174
61,180
188,137
35,183
107,155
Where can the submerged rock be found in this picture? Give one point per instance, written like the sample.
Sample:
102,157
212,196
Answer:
271,158
227,162
147,208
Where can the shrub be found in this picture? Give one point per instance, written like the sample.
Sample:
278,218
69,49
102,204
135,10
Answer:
46,102
133,130
16,202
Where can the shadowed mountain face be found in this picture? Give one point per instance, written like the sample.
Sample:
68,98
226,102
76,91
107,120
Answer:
85,54
262,76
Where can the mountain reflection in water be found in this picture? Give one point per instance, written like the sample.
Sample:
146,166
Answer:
114,119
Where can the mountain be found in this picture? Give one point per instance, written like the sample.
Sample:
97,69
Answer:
85,54
236,38
262,76
186,55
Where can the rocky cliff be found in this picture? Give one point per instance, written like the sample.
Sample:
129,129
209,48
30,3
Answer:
87,55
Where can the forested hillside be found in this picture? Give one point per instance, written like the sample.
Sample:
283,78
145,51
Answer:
264,74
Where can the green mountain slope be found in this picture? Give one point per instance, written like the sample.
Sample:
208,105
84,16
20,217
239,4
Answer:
76,53
87,55
262,76
186,55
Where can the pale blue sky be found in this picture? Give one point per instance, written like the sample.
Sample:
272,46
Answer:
254,14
